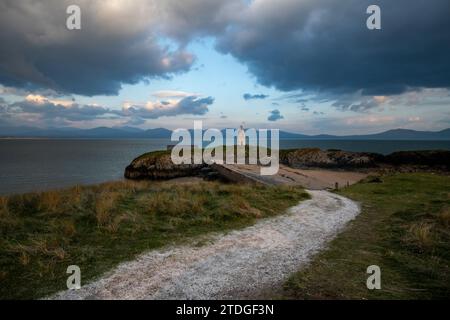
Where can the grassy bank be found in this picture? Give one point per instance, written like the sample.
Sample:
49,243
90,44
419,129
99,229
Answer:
97,227
404,228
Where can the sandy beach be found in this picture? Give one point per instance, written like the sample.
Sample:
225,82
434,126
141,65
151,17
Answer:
312,179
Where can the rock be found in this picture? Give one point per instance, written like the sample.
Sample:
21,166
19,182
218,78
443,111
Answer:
159,166
304,158
428,158
403,161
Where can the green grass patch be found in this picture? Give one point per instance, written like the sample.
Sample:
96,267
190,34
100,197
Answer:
97,227
404,228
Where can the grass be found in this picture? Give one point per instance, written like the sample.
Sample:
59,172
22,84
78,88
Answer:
97,227
249,150
403,228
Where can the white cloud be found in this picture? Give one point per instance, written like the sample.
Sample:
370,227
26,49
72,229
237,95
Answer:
173,94
184,105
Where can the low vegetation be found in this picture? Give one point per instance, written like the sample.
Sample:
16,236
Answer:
404,228
97,227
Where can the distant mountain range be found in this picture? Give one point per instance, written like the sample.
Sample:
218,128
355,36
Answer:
161,133
396,134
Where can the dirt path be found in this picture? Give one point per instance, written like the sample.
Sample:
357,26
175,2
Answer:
241,264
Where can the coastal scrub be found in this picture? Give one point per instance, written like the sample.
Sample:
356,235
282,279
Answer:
97,227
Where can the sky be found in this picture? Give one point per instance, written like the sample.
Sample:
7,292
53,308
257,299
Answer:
307,66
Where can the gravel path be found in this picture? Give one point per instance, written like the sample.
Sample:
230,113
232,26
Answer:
242,264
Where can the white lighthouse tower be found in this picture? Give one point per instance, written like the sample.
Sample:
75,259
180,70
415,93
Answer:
241,136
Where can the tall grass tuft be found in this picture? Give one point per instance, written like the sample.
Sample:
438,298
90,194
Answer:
444,217
116,222
104,206
50,201
74,196
4,209
420,234
68,228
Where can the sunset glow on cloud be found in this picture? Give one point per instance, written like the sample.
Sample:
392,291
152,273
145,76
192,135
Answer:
304,66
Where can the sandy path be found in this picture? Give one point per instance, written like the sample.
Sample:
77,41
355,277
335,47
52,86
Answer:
241,264
312,179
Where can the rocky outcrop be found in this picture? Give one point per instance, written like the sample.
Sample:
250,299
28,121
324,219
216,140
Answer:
431,158
400,161
159,166
316,158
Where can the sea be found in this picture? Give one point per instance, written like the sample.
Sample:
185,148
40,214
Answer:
30,165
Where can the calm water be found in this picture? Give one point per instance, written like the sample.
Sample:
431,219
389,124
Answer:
33,165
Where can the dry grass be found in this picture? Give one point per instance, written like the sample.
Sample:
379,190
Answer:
420,235
5,216
126,185
36,249
4,210
7,219
50,201
242,207
68,228
173,200
444,217
24,258
75,195
97,227
104,206
114,225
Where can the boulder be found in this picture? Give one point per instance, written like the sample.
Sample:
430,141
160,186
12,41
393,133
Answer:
159,166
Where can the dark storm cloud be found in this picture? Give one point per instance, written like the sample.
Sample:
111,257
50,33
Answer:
324,45
115,46
249,96
275,115
184,20
319,46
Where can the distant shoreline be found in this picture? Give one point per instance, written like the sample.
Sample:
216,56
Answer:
19,138
78,138
163,133
337,139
